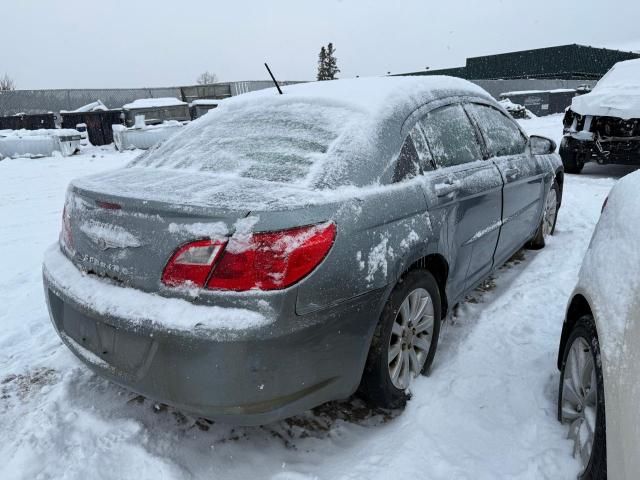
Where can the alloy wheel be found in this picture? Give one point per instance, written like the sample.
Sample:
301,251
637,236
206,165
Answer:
580,399
411,337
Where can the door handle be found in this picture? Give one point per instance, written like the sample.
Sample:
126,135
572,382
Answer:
447,188
511,172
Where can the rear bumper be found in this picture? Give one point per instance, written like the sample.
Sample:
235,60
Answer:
247,377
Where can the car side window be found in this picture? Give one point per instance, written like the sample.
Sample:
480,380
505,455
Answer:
414,156
501,134
451,137
408,163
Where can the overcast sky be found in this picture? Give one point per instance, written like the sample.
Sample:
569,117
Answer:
136,43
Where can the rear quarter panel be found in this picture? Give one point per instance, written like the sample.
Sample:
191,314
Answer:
380,233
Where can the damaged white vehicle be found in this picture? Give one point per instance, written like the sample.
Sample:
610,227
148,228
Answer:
604,125
600,344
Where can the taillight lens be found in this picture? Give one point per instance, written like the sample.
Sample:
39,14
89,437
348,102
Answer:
263,261
191,263
66,238
272,260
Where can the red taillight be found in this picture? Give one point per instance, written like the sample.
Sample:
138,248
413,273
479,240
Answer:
272,260
263,261
191,263
66,238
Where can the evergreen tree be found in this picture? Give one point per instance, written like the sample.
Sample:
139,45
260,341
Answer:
322,64
331,63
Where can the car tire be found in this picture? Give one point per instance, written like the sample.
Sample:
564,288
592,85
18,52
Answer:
417,341
549,218
570,159
584,338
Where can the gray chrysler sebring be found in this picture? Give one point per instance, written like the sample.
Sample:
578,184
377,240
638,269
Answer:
287,250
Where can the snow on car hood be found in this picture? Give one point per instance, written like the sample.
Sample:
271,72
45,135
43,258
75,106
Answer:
617,94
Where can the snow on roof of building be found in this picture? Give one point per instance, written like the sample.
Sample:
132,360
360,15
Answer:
43,132
532,92
154,102
206,101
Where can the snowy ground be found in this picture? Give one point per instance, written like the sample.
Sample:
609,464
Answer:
486,412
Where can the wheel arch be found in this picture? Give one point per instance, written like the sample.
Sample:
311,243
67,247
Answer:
578,307
437,265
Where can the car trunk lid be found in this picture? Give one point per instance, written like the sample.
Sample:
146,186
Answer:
127,234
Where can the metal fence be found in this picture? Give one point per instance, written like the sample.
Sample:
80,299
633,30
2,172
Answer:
43,101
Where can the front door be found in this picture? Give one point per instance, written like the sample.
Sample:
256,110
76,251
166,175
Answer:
523,176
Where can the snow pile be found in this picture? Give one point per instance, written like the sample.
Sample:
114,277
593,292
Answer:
617,94
516,110
534,92
143,308
96,106
153,103
214,231
43,132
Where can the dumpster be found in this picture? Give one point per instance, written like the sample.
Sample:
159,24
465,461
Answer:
144,137
39,143
28,122
542,102
202,106
98,124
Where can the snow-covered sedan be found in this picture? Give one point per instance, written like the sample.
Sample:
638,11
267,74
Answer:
283,250
604,125
600,344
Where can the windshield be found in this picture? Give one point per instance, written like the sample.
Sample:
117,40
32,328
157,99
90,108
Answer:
279,142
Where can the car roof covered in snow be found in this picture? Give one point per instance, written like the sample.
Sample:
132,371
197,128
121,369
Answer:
317,137
322,133
373,94
617,94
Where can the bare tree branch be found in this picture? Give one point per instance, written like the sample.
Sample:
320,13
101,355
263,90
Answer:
207,78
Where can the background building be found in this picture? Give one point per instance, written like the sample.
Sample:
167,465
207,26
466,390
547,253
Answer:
567,62
544,79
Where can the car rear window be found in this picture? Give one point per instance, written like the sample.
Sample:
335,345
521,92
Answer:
273,142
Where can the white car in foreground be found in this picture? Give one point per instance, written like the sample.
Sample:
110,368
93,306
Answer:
599,354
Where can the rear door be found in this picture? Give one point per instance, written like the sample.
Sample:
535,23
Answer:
523,176
467,190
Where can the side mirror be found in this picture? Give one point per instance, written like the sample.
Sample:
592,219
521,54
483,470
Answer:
541,145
